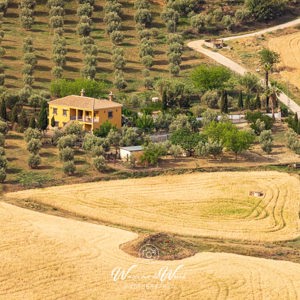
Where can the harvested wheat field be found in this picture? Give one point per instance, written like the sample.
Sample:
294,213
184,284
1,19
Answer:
199,204
288,46
47,257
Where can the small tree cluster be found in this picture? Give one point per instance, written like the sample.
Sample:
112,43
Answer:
294,123
30,62
33,140
214,20
143,16
266,141
59,52
3,7
170,16
153,152
89,49
119,63
146,54
56,21
3,159
66,153
293,141
175,52
56,14
113,20
27,13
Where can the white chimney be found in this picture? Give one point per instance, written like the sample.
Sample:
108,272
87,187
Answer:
82,93
111,96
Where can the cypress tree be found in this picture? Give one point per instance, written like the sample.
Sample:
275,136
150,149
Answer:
295,123
52,121
164,100
23,120
43,117
32,122
241,102
224,102
14,114
296,118
247,102
257,102
3,113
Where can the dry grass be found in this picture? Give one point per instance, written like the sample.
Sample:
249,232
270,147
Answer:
286,43
46,257
288,46
207,204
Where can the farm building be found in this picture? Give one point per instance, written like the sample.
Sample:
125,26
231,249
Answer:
89,112
133,151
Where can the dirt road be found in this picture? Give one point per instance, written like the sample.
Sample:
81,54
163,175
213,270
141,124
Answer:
199,47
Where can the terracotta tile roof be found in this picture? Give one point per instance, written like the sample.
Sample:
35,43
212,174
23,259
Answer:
86,103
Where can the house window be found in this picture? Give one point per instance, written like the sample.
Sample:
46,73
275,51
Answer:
110,114
56,124
65,112
55,111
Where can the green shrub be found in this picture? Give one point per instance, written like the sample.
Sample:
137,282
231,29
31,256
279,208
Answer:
67,141
2,140
32,179
34,161
56,136
3,162
31,133
2,151
76,129
266,141
3,127
99,163
69,168
66,154
34,146
92,88
97,151
2,175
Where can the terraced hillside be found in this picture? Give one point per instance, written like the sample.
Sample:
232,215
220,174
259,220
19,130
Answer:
42,36
208,204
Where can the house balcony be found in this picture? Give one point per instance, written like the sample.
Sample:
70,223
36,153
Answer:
84,119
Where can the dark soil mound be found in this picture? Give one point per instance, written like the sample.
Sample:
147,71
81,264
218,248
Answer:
160,246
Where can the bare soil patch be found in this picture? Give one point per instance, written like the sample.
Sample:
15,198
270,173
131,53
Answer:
164,247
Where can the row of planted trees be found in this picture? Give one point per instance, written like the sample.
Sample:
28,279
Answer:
3,159
89,49
143,18
113,20
3,9
27,13
56,21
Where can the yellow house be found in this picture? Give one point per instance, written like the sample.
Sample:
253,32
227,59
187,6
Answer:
90,112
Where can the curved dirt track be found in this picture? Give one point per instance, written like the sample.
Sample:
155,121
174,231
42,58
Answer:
201,204
47,257
235,67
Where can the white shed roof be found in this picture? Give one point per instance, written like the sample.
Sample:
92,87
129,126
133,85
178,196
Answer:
132,148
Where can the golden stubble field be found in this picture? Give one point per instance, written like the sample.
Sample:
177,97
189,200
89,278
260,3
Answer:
48,257
199,204
288,46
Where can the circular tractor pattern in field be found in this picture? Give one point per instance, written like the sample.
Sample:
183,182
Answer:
47,257
200,204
